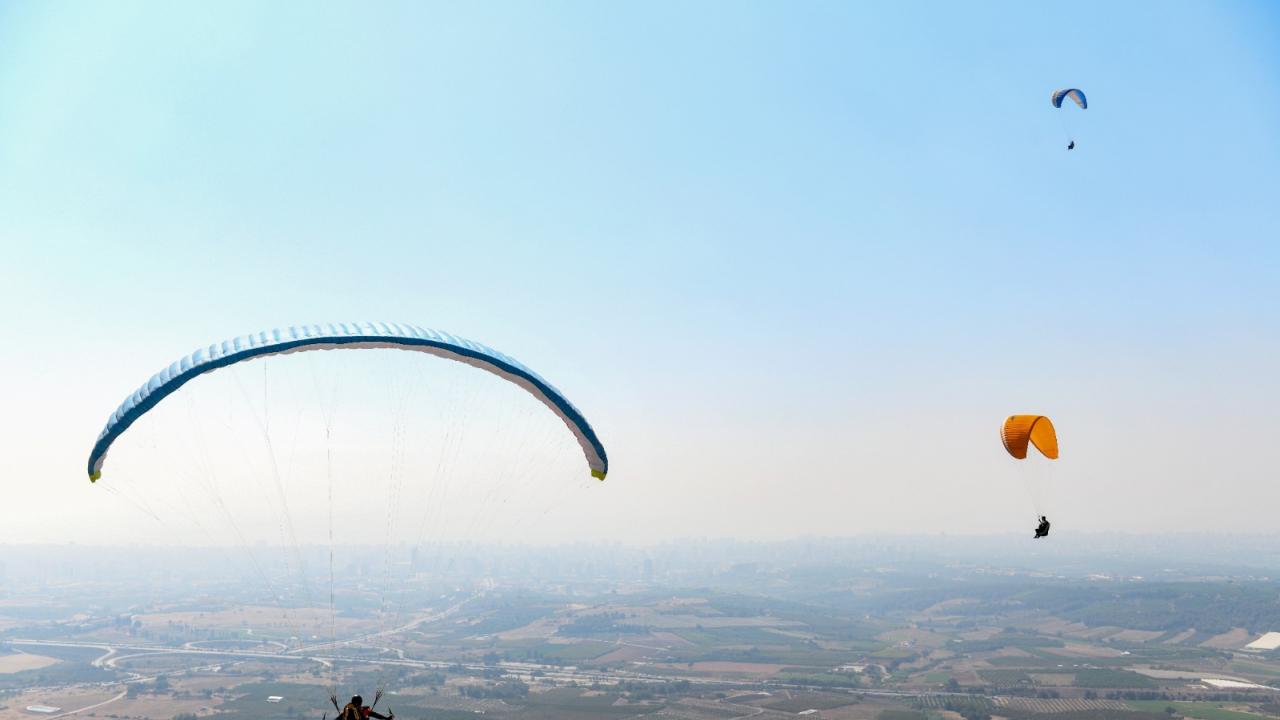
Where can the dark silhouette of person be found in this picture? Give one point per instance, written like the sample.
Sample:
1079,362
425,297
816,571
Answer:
1042,530
1071,145
357,710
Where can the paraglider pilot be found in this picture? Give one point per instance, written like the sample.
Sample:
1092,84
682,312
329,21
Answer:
1042,530
357,710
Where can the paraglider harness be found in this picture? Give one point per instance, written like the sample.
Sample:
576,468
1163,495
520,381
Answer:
357,710
1042,530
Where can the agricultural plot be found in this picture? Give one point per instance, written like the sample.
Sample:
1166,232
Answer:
678,622
1003,643
19,662
228,644
671,639
160,707
831,680
769,654
799,702
72,665
1095,633
862,711
1005,678
1053,679
1179,637
1081,650
1057,705
736,635
1185,675
1100,678
1137,636
1031,662
577,705
1269,671
1056,625
539,629
912,637
158,662
901,715
695,709
259,621
727,669
200,683
1199,710
1232,639
494,619
69,654
958,703
563,653
12,707
623,653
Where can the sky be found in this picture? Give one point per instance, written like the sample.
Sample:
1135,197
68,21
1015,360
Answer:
795,262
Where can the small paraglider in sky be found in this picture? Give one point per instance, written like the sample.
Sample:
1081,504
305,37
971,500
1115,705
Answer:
1021,432
1076,96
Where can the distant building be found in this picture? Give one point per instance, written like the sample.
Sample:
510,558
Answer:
43,709
1269,641
275,698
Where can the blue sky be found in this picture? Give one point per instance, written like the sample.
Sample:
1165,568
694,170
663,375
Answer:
780,253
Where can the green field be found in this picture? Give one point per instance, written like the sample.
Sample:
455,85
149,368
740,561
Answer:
250,703
834,680
542,651
1257,668
747,635
573,705
1005,677
1112,679
901,715
892,652
801,702
1200,710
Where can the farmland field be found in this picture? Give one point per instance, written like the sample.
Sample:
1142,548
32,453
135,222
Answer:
1200,710
1112,679
19,662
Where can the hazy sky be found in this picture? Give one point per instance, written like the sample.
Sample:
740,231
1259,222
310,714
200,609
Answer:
796,261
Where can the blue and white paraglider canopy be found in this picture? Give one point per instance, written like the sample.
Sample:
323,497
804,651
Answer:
1076,96
346,336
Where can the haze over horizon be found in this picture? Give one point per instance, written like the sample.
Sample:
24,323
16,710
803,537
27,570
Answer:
795,263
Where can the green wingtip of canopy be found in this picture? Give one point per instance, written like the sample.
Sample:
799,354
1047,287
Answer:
93,477
597,474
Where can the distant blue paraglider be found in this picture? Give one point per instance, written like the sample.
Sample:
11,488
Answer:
1076,95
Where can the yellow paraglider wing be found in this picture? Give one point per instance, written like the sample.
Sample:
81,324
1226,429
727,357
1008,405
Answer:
1020,430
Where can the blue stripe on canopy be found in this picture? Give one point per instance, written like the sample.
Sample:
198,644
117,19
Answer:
346,336
1073,93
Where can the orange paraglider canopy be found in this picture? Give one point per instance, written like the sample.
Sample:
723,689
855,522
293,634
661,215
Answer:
1018,430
